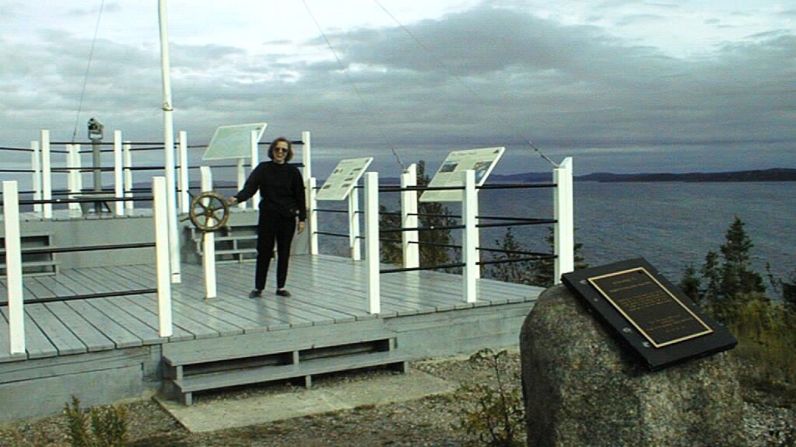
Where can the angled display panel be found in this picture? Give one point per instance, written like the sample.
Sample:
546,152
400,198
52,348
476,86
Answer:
482,161
343,179
233,141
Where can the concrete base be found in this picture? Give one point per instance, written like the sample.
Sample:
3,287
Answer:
222,414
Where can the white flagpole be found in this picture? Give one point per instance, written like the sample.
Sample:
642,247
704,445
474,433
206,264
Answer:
168,142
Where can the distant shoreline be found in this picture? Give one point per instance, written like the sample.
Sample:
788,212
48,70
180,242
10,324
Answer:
762,175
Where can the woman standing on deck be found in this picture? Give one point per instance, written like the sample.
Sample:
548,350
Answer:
281,204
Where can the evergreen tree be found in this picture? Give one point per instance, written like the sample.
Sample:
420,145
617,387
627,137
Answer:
737,276
691,284
432,214
539,272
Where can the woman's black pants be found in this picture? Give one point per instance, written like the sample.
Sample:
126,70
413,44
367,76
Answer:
273,228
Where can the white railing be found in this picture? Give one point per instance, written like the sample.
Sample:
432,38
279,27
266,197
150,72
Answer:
564,228
13,263
372,241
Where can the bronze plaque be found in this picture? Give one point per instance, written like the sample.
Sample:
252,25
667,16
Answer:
650,307
647,314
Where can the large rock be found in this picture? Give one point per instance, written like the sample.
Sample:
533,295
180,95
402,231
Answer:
581,389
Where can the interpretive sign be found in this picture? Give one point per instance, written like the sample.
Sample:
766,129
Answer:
343,179
230,142
482,161
647,313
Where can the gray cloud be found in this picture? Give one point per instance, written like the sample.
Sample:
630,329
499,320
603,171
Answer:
488,77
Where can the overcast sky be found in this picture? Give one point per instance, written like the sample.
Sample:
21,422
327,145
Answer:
622,86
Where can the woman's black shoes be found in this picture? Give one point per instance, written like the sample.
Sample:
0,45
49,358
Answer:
255,293
283,292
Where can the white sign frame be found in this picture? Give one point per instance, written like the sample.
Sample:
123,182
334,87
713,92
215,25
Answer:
482,161
343,179
233,141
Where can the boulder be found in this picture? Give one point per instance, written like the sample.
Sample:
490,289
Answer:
582,389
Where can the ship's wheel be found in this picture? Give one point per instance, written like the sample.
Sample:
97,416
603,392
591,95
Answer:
209,211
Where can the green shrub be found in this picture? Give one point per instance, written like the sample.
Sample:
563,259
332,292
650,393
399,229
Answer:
108,425
495,413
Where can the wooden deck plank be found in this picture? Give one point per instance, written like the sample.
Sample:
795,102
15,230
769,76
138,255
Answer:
149,303
260,319
56,332
82,328
147,334
276,306
353,285
264,309
58,289
299,307
36,343
395,298
140,319
118,334
186,315
36,289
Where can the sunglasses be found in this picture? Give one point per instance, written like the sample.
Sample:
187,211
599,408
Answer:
281,149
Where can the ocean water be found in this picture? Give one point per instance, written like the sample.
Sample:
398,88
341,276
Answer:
670,224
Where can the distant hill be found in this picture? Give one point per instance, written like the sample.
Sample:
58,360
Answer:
764,175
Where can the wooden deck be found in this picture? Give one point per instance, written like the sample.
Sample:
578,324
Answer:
326,290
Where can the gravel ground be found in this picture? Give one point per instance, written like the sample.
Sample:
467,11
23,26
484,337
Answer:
432,421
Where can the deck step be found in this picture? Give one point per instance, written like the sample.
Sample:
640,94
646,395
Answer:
261,374
189,371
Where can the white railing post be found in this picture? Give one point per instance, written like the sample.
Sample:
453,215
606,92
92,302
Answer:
118,175
128,175
306,153
35,166
208,242
353,225
255,160
16,313
242,181
78,165
312,215
163,271
71,178
469,237
372,240
46,175
185,200
564,234
409,218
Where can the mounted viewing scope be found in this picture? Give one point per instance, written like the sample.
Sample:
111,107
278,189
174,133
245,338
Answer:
95,130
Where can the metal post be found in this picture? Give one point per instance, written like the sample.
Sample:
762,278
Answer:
255,160
353,225
372,240
128,176
185,200
96,163
312,213
168,144
35,165
564,228
160,217
16,313
46,175
118,175
410,239
469,237
208,242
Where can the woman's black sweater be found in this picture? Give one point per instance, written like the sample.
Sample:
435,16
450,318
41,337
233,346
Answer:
281,189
